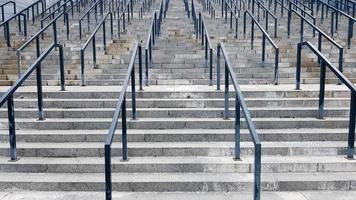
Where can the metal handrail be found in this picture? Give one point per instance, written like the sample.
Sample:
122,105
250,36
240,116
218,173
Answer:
233,6
209,6
347,7
293,5
154,31
129,8
2,9
65,15
240,104
53,24
303,12
264,37
6,23
283,7
64,6
324,62
206,43
232,14
338,12
93,40
186,6
266,14
150,42
93,8
9,98
55,4
305,7
320,35
166,5
121,110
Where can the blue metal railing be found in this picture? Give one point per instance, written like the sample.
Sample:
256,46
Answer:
154,31
335,23
59,10
64,13
241,104
266,13
233,15
121,110
9,95
186,6
281,5
36,38
202,33
321,35
53,6
129,9
324,62
92,39
265,37
209,7
25,14
93,8
345,6
2,6
150,42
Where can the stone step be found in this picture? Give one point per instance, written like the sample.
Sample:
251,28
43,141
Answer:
185,182
271,164
175,135
144,149
273,112
176,123
301,195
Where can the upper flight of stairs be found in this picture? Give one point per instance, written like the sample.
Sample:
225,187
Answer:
180,147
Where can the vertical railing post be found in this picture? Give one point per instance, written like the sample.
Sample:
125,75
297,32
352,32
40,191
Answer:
211,66
94,52
226,93
301,29
12,129
104,36
276,67
257,173
124,131
236,27
237,127
146,66
349,33
61,67
140,66
322,89
133,93
82,68
252,32
108,181
263,48
7,34
39,81
299,57
351,137
218,52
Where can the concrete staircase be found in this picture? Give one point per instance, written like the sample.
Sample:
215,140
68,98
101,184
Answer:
180,147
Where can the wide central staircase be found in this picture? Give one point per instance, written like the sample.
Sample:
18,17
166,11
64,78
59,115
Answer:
181,144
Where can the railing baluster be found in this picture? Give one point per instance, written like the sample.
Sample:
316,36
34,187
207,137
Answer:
124,131
351,136
12,129
218,67
226,93
39,82
322,90
237,127
133,93
140,66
